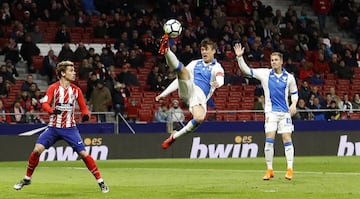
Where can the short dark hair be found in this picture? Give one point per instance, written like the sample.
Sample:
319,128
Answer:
208,42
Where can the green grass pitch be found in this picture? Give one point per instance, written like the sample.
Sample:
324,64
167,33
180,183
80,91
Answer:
314,177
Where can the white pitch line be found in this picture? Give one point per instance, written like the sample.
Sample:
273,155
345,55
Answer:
229,170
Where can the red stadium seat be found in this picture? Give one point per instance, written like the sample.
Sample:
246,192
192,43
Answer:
235,88
219,117
343,82
146,106
329,76
220,100
146,115
357,71
132,111
259,116
355,115
244,117
330,82
247,105
230,117
37,62
234,100
232,106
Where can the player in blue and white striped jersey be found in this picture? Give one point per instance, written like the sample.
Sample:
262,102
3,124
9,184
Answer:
196,83
277,84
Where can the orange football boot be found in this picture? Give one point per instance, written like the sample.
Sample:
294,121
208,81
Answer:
289,174
269,174
164,44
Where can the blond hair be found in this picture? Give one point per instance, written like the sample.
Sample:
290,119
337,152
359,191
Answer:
279,54
61,67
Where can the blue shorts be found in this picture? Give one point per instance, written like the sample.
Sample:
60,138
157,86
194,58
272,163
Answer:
71,135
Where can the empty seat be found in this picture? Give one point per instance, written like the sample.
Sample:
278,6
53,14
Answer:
232,106
247,105
259,116
330,81
146,115
37,62
343,81
132,111
244,116
230,117
234,100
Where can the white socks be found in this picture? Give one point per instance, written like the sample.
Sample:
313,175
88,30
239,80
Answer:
190,127
269,152
172,60
289,154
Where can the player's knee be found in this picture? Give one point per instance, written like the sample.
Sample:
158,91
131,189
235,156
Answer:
286,137
38,149
83,154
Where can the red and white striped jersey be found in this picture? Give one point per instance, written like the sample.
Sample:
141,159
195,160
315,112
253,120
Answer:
64,99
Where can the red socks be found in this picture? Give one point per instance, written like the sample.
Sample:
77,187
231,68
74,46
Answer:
91,165
32,163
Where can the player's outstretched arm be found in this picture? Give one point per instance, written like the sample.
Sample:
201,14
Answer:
239,52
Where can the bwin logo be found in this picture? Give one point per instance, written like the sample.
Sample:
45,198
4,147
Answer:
68,154
348,148
223,150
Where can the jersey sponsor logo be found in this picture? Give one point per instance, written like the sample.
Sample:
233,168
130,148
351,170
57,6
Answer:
72,97
243,148
348,148
64,106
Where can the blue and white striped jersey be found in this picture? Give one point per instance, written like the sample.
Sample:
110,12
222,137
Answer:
276,88
203,74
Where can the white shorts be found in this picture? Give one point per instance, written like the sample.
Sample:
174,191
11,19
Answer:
279,122
192,94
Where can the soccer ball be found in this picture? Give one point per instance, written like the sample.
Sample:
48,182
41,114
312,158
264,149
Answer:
173,28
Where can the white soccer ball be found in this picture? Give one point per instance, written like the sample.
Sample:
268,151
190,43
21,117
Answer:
173,28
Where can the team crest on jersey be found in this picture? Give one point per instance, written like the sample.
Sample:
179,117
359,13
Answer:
284,79
72,97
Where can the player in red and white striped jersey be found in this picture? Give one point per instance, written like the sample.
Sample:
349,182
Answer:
59,102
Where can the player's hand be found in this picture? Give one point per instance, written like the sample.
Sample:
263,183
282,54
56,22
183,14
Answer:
85,118
292,110
239,50
158,98
214,84
56,112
